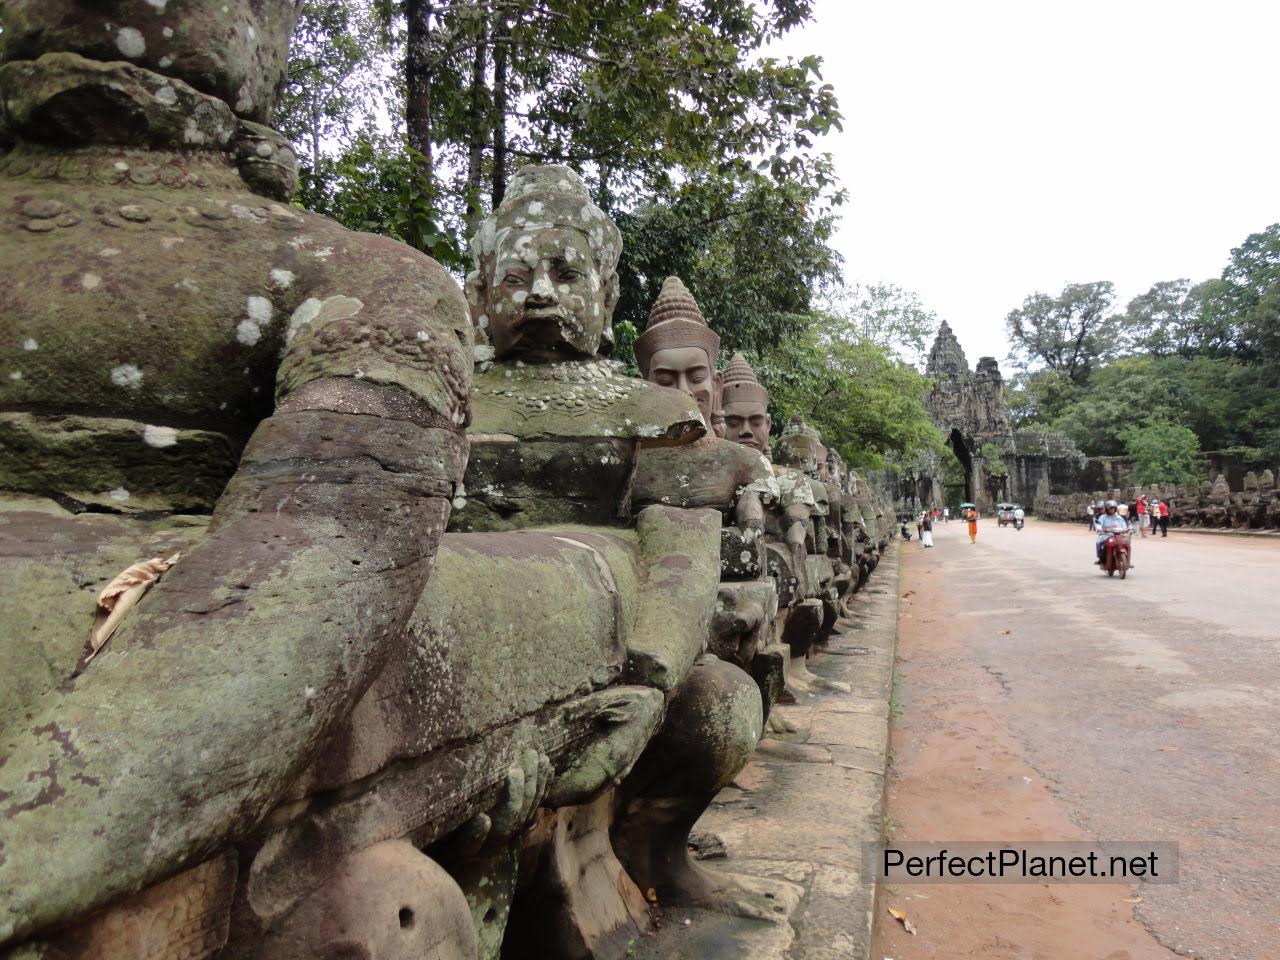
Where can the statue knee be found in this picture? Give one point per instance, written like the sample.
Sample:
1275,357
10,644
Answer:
713,724
387,902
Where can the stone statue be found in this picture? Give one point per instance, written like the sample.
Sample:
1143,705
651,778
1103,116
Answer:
159,294
564,446
677,348
746,406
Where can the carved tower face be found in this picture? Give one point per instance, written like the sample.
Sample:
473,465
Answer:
545,282
746,406
679,350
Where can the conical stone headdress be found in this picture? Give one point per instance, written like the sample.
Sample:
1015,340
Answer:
675,321
740,383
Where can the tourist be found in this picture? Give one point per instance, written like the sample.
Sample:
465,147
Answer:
1141,508
946,514
926,531
1164,518
1109,523
920,526
1154,511
973,524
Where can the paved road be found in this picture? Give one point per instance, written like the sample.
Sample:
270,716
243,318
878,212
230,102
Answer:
1042,699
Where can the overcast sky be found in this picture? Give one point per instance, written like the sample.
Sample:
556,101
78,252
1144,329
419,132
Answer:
993,148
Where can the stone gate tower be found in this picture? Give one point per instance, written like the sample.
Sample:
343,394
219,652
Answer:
969,407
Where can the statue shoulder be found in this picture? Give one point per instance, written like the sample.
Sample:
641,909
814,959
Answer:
579,399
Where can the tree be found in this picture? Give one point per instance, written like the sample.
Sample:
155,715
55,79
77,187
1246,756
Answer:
1247,300
1040,398
1170,318
335,77
1072,333
885,314
864,400
640,96
1163,452
752,252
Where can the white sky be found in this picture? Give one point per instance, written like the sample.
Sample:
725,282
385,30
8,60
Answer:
993,148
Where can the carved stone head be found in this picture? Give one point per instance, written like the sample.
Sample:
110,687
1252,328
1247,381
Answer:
545,280
746,406
679,350
835,467
800,448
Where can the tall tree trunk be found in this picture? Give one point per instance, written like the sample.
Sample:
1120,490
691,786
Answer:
479,127
501,39
417,68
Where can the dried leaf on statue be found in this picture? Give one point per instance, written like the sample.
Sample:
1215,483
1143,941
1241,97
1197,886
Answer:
1006,631
1132,899
120,596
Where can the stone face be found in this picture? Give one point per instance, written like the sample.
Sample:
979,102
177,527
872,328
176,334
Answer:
545,281
677,348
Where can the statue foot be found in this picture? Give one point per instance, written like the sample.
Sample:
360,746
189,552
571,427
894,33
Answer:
733,894
780,724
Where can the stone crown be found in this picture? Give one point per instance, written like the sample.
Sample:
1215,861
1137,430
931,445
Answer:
740,383
675,321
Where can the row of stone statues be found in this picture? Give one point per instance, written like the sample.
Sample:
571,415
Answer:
478,625
1210,504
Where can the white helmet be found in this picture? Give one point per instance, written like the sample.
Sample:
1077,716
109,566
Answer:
1112,503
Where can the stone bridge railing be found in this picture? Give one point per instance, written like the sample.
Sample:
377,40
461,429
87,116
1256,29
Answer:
452,631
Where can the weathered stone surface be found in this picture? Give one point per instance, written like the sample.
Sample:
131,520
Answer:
145,321
970,409
112,464
63,98
234,50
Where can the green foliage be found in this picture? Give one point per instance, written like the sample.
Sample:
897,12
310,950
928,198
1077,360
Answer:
1202,356
1247,300
885,314
1040,398
638,95
1163,452
373,185
952,468
993,460
1171,319
1071,333
864,401
751,253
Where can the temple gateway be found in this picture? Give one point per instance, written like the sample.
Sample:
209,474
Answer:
998,462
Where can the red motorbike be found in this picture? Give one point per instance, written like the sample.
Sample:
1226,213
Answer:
1115,555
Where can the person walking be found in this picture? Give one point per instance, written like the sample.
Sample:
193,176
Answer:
1153,511
926,531
1164,518
946,514
1141,507
973,524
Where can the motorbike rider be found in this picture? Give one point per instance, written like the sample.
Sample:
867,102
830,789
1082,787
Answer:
1019,515
1110,522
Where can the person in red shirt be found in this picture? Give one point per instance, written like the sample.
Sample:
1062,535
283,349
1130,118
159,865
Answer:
1141,507
1164,518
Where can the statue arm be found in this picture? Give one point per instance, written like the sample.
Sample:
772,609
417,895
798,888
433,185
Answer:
222,683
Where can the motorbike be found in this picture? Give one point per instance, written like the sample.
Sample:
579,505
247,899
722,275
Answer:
1115,555
1018,523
